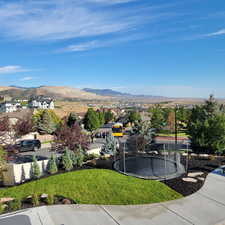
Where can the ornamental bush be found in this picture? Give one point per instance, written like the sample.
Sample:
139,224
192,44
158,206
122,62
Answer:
67,161
14,205
52,165
36,172
35,199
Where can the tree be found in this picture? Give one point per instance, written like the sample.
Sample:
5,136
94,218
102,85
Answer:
158,119
108,116
134,116
80,156
46,125
110,145
144,135
66,160
72,119
46,121
3,156
4,124
77,157
5,128
52,166
206,127
183,115
71,137
36,173
101,118
91,120
23,127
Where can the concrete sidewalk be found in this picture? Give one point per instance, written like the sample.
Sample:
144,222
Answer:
205,207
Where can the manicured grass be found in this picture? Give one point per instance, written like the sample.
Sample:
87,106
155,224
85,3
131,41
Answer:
96,186
172,135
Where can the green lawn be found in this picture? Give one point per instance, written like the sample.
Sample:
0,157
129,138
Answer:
96,186
172,135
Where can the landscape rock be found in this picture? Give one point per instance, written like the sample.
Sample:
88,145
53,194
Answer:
66,201
44,195
195,174
5,200
189,179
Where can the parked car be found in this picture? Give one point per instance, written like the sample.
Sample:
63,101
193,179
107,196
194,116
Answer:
28,145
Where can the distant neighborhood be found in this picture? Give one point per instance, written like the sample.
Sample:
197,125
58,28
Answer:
37,102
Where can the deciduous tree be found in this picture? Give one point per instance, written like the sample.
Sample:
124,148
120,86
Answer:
71,137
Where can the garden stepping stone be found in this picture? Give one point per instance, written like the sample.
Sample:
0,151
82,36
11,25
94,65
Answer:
195,174
189,179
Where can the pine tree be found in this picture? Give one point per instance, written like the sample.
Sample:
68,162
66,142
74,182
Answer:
73,157
52,167
36,173
110,145
72,119
66,160
23,176
80,156
46,123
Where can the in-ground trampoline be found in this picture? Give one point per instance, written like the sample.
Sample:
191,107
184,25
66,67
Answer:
149,167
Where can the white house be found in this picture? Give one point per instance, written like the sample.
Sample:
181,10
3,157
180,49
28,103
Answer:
41,103
9,106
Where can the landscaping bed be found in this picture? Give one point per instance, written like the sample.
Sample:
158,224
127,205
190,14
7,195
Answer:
195,165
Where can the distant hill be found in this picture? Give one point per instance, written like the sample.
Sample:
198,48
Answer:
106,92
55,92
112,93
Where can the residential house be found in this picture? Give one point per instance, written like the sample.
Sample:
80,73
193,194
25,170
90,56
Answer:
7,107
41,102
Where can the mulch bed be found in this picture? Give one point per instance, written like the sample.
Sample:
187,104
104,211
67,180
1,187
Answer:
195,165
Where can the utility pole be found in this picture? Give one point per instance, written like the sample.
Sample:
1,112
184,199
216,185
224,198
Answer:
176,153
176,107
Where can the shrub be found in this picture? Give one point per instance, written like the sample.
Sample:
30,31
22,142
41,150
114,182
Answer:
80,157
67,161
2,209
50,199
90,156
52,166
14,205
35,200
36,173
77,157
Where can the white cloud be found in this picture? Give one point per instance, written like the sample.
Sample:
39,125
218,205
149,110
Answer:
217,33
64,19
50,19
12,69
111,1
86,46
26,78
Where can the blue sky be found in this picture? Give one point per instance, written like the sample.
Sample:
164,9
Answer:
171,48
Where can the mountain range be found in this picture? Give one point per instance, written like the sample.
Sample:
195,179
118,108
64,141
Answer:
63,93
112,93
55,92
